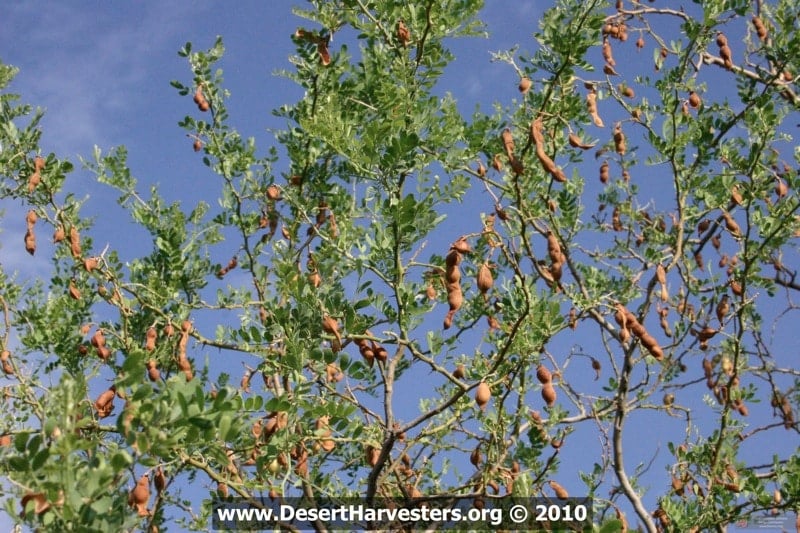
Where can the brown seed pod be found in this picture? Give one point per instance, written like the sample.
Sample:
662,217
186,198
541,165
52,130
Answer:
74,293
482,395
476,458
455,298
628,92
619,139
781,189
59,235
731,225
607,54
185,366
694,100
508,142
544,159
497,164
324,54
591,105
549,394
273,193
75,242
561,492
484,279
160,480
403,33
726,55
761,29
104,404
616,221
430,291
33,181
140,495
554,248
543,374
576,142
524,84
30,241
597,368
460,372
40,503
481,170
461,245
150,339
373,455
604,176
152,370
197,145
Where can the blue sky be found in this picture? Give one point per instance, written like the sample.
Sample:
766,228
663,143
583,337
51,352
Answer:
101,70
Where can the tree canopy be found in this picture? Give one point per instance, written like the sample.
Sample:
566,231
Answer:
587,290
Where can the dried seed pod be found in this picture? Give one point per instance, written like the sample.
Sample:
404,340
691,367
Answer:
561,492
576,142
160,480
74,293
619,139
731,225
591,105
726,55
628,92
185,366
508,142
497,164
597,368
573,318
430,291
761,29
40,503
90,263
150,339
273,193
524,84
694,100
543,374
461,245
481,170
544,159
75,242
140,495
723,307
604,172
554,248
152,370
607,54
331,326
475,457
549,394
403,33
781,189
104,404
484,279
482,395
455,298
460,372
30,241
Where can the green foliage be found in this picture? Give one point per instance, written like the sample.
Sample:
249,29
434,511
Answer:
357,381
